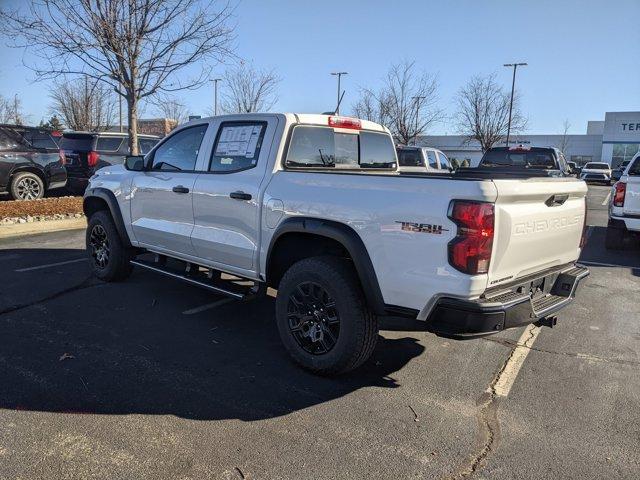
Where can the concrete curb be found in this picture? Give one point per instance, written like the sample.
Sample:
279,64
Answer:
44,226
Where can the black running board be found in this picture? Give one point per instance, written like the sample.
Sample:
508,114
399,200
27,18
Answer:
231,290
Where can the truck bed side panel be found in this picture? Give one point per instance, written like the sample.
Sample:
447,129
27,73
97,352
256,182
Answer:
402,222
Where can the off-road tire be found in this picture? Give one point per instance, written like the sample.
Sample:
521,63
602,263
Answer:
117,266
358,332
26,186
614,238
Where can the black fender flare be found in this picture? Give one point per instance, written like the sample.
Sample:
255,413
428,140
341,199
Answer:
351,241
114,209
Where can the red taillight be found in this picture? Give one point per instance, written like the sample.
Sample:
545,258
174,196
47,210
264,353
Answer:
619,194
62,158
345,122
92,158
470,251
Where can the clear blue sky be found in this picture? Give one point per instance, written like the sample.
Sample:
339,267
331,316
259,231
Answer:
583,55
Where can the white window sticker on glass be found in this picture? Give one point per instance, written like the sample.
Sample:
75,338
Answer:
239,140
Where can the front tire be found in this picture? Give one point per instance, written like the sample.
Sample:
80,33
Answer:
108,257
26,186
322,316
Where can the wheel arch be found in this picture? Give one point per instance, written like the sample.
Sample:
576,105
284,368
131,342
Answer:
301,237
29,169
97,199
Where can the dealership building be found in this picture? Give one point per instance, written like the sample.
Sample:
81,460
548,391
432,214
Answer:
612,140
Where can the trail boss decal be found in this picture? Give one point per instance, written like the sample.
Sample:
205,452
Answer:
422,227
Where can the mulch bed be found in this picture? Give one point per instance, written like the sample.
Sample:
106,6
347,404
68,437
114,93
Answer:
45,207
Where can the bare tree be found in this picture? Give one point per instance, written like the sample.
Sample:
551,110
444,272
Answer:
172,108
136,47
248,89
83,105
11,110
563,145
406,103
483,111
372,107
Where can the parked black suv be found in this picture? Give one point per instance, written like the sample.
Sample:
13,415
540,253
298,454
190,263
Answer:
86,152
30,162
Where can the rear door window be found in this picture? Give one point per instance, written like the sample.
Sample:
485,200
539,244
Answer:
109,144
237,146
40,139
431,158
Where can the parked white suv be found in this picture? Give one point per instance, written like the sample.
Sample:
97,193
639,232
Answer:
313,206
596,172
624,207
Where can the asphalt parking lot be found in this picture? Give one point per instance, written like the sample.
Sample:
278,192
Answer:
150,378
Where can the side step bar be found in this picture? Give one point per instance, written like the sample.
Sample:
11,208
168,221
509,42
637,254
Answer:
230,289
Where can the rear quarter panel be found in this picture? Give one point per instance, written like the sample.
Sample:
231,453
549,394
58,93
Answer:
412,267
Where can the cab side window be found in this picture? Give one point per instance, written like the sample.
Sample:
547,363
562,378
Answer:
237,146
444,161
431,158
180,151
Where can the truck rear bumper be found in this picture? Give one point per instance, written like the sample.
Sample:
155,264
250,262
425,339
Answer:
510,308
630,222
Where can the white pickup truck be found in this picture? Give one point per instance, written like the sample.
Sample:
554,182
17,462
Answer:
313,206
624,207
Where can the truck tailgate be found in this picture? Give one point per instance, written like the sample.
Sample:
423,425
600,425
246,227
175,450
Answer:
538,225
632,196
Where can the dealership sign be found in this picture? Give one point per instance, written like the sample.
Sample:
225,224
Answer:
630,127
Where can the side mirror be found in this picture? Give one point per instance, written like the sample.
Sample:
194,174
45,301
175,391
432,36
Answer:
135,163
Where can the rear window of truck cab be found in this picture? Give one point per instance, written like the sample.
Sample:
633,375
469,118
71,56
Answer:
519,158
324,147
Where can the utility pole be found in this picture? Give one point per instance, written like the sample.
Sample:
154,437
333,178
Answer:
339,75
513,86
417,100
215,95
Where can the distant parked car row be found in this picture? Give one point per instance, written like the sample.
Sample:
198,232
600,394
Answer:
33,160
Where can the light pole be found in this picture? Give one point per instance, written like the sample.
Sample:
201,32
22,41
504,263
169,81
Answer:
215,95
513,85
417,100
339,74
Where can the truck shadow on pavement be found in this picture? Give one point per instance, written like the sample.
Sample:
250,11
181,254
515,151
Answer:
595,252
129,348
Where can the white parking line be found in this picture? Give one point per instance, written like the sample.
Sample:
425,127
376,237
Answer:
510,371
606,200
28,269
202,308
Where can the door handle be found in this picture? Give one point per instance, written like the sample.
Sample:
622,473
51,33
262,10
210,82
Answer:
240,196
180,189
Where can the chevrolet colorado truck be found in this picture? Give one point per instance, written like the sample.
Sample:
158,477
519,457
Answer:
624,207
314,206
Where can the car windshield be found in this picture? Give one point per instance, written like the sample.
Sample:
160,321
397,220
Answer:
519,158
634,170
597,166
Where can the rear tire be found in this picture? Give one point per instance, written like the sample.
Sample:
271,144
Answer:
614,239
108,257
312,294
26,186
